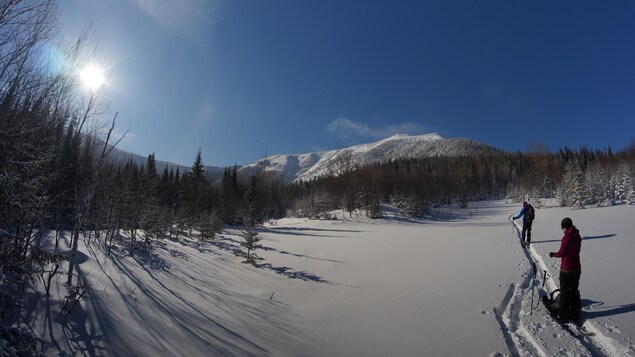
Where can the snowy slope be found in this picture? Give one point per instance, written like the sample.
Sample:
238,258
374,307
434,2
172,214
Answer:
456,284
308,166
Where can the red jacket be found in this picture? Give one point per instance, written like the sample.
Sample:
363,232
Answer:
570,251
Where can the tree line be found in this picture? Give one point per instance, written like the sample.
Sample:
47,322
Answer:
578,178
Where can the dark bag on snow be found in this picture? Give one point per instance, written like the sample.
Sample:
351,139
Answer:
552,303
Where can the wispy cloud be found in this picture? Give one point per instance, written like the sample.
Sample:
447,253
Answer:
345,128
183,16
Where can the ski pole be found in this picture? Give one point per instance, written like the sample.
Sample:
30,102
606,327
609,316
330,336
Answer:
544,280
533,290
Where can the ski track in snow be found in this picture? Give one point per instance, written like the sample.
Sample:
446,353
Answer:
530,331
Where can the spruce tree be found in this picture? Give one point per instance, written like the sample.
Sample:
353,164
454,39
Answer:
575,184
250,241
624,183
198,168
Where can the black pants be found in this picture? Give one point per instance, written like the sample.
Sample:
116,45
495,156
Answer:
570,304
527,231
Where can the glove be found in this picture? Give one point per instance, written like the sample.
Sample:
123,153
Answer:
552,254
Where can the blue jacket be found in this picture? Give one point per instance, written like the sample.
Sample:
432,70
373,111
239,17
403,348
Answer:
522,212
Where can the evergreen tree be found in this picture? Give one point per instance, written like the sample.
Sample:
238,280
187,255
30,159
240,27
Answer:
229,196
198,169
153,217
211,226
575,184
251,200
250,242
194,194
624,183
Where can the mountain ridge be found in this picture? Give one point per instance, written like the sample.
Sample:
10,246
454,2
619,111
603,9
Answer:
307,166
304,167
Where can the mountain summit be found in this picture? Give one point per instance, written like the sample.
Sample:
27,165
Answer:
296,167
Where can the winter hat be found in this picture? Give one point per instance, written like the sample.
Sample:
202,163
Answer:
566,223
524,203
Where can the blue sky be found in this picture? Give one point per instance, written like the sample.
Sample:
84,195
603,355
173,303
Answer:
242,79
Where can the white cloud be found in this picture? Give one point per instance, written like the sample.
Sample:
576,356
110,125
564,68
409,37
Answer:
183,16
345,128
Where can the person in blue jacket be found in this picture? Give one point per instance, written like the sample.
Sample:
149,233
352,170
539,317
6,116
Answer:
528,214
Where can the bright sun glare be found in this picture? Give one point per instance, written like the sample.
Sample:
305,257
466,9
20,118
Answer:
92,77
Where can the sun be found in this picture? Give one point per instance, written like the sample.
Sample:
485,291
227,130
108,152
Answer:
92,76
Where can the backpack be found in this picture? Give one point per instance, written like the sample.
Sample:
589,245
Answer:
552,303
530,213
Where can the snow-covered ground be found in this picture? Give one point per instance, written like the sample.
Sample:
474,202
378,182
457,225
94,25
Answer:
456,285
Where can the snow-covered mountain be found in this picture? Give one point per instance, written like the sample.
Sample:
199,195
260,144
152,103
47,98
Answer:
296,167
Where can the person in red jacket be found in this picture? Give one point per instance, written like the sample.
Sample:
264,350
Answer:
570,270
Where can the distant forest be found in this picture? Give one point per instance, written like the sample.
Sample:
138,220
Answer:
56,174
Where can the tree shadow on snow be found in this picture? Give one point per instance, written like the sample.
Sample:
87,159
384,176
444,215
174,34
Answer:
220,337
308,232
404,219
202,246
81,339
232,245
78,336
292,274
228,244
152,261
269,249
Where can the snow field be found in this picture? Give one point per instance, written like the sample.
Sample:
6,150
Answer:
459,286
